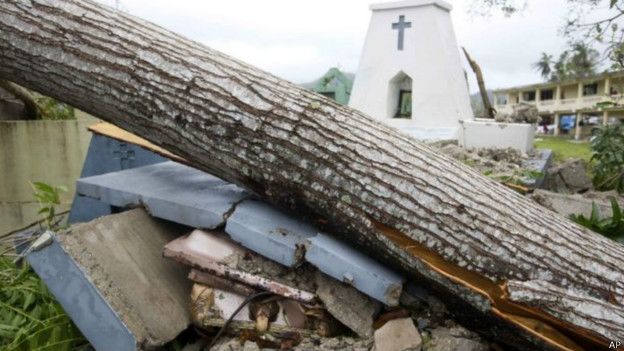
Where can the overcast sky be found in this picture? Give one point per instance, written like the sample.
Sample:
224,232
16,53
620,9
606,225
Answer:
300,40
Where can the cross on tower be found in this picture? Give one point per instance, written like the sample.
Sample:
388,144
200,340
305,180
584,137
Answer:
401,25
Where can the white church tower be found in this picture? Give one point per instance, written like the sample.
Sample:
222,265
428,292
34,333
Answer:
410,74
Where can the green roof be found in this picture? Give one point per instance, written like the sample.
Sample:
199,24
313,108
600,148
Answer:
335,84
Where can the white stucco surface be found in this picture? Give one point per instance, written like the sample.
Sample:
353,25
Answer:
481,133
430,57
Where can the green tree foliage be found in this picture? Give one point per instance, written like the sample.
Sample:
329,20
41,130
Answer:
544,65
607,146
611,227
51,109
578,61
48,197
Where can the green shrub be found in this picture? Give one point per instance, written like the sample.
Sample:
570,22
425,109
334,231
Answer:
30,317
611,227
607,146
48,197
51,109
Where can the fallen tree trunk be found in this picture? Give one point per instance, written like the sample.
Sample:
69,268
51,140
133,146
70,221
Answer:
519,272
490,112
30,105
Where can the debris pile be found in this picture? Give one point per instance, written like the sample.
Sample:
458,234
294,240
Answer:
496,163
522,113
253,277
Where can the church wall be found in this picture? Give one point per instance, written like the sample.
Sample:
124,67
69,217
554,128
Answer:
430,57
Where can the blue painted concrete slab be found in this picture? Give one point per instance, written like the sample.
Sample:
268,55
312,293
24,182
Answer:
80,299
187,196
269,232
107,155
339,260
169,191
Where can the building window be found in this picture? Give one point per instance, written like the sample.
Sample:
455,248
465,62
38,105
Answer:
400,96
546,94
405,104
590,89
528,96
501,99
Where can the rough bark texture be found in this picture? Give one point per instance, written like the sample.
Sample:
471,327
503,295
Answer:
487,106
439,220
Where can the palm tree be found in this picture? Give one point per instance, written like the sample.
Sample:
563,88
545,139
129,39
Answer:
583,60
543,66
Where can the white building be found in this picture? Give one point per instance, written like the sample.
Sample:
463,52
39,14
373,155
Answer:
410,73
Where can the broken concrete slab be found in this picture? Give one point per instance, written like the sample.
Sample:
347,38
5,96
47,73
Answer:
398,335
80,299
338,260
349,306
569,177
104,271
568,204
216,253
269,232
187,196
168,190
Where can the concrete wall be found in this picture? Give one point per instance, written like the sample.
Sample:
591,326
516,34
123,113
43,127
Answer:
482,133
46,151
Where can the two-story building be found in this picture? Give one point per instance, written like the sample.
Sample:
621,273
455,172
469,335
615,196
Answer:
570,105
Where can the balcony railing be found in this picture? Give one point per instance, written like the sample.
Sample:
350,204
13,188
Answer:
585,102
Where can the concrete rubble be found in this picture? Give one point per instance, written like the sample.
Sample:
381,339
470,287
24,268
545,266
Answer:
522,113
504,164
203,201
111,279
569,177
250,277
398,335
346,304
575,204
454,338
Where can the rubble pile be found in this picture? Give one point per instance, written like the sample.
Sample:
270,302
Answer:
522,113
253,278
496,163
303,308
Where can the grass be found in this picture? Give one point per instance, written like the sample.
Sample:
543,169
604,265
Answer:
564,148
30,317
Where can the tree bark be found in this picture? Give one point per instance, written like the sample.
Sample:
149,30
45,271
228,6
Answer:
522,271
487,106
